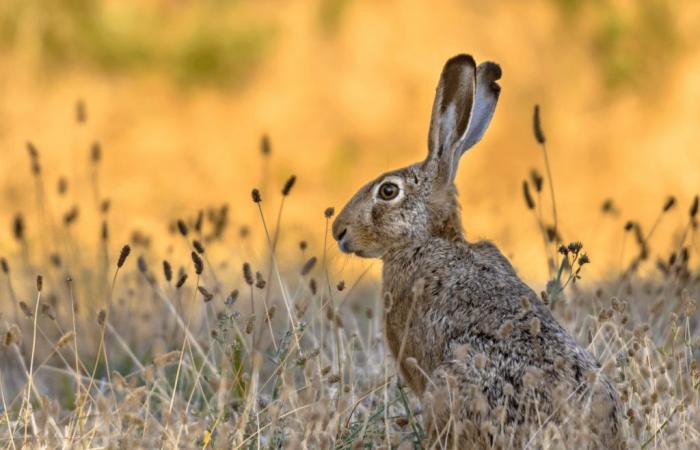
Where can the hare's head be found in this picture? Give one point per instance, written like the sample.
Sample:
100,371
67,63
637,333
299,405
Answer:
419,201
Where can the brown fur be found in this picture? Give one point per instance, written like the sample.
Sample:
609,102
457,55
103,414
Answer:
457,317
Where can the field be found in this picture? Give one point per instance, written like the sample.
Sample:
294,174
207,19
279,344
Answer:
197,347
167,274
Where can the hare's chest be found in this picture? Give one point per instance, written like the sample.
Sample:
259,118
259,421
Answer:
413,342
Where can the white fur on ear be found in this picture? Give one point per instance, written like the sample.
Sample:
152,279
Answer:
452,109
487,92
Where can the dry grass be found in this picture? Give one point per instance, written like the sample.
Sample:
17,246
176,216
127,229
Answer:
220,341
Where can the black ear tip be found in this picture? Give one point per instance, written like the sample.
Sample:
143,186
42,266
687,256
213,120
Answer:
460,60
492,70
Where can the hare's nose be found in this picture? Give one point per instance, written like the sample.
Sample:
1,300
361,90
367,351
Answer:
341,234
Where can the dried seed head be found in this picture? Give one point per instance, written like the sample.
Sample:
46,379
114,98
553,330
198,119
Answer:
18,227
181,281
289,185
205,294
670,203
529,202
256,196
537,125
182,227
47,311
95,152
34,158
308,266
141,264
341,285
537,180
80,111
198,263
259,281
265,146
302,245
62,186
198,221
166,358
5,267
505,329
105,231
26,310
167,271
629,225
198,246
328,213
232,297
247,274
39,283
312,286
123,255
250,325
65,339
101,316
694,207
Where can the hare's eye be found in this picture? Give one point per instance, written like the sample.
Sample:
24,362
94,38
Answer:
388,191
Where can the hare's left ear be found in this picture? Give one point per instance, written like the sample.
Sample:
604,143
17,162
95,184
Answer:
464,104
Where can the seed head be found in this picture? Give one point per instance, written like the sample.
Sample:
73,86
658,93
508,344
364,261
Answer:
105,231
289,185
537,125
123,255
537,179
302,245
4,266
167,271
80,111
141,263
265,147
96,152
18,227
198,264
529,202
308,266
26,309
341,285
247,274
39,283
198,246
182,227
256,196
329,212
181,281
232,297
505,329
101,316
670,203
694,207
205,293
259,281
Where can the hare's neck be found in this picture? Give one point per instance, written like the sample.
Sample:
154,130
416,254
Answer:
447,222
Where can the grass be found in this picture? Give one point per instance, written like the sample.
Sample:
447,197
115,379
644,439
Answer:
199,346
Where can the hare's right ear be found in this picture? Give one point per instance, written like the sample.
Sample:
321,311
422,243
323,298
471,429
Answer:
465,100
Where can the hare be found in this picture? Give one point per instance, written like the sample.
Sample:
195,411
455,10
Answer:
493,366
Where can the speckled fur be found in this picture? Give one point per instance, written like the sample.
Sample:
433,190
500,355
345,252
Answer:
459,312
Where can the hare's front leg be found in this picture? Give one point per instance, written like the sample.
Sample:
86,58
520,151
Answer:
456,410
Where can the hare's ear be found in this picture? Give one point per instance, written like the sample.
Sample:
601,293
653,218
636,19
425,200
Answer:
464,104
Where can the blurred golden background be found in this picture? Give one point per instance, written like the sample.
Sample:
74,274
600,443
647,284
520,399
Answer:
179,92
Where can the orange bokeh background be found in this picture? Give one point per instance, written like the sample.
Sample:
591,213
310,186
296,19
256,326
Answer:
344,90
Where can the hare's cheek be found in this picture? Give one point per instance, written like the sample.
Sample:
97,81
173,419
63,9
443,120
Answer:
376,214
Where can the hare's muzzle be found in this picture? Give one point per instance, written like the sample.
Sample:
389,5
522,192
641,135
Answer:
340,232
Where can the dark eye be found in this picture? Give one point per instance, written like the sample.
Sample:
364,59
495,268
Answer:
388,191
